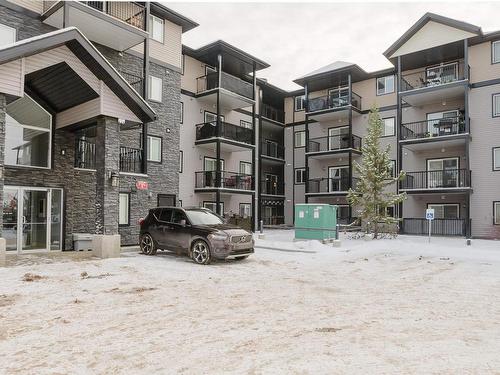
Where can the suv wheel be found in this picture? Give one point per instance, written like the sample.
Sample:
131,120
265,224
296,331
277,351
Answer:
148,246
200,253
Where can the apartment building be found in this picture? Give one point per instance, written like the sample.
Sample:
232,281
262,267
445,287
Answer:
90,114
440,108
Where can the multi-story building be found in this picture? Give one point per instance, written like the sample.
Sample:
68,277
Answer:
440,106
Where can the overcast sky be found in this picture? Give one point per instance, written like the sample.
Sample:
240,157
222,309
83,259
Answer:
296,38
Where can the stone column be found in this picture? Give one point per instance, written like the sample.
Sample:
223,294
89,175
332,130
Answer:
106,242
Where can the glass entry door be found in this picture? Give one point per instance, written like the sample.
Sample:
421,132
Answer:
442,173
33,219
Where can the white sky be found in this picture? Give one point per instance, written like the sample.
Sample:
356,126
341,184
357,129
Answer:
296,38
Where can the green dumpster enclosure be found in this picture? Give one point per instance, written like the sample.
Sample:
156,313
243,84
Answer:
315,221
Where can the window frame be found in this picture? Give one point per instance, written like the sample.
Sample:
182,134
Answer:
446,204
295,176
150,88
10,28
181,161
242,162
149,149
493,97
215,204
494,44
496,220
295,139
303,101
385,78
246,122
393,127
181,120
245,204
153,18
120,194
183,63
494,167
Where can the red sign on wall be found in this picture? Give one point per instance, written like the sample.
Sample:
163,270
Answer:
141,185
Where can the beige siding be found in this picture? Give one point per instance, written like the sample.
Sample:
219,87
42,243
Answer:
78,113
12,78
192,70
480,63
367,89
33,5
112,106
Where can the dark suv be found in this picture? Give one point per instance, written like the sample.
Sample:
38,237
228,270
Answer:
198,232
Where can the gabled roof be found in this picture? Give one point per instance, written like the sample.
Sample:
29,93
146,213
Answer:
427,17
90,56
177,18
337,65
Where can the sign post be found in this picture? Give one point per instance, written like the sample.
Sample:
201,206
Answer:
429,215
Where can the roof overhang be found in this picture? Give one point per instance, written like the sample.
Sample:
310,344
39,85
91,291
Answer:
162,11
90,57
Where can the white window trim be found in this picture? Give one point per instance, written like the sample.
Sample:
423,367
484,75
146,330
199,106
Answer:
153,18
430,205
496,219
295,176
9,29
149,138
495,166
385,92
393,127
120,222
295,139
302,103
494,98
181,161
495,44
150,88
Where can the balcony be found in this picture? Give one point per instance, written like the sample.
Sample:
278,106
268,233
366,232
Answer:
330,186
272,150
432,181
434,84
269,187
115,24
272,113
233,181
323,146
131,160
85,153
329,107
238,136
439,227
233,92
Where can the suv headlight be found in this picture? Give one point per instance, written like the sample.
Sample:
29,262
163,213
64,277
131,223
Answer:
219,236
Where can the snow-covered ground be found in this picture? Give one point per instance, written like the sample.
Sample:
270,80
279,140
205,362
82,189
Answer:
389,306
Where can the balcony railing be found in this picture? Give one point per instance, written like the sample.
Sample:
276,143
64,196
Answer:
444,179
270,187
228,82
439,227
334,143
84,154
329,102
126,11
233,132
272,113
330,185
228,180
272,150
130,160
433,128
135,81
433,76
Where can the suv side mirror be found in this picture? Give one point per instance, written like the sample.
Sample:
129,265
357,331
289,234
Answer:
183,223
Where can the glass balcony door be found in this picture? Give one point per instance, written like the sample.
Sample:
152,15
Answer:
338,176
339,97
337,138
442,173
434,121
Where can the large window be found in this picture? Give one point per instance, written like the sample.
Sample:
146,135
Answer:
300,139
7,35
299,103
154,148
157,28
496,159
300,175
385,85
496,213
124,209
445,211
155,88
245,167
27,134
495,52
245,210
496,105
388,126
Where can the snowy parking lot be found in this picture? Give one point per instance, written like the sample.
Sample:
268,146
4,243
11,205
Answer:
387,306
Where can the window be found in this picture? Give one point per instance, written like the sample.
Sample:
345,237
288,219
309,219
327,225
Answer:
211,117
299,103
389,211
388,126
496,105
124,209
300,138
392,169
385,85
445,211
246,124
156,28
27,134
496,159
166,200
165,215
183,63
154,149
181,161
7,35
245,167
155,88
495,52
245,210
496,213
212,206
178,216
182,113
300,175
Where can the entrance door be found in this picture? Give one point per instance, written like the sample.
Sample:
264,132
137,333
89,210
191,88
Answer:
442,173
338,138
33,219
338,178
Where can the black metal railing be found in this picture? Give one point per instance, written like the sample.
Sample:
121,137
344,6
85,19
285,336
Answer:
330,102
130,160
270,187
330,185
229,82
334,143
433,128
433,76
272,113
439,227
233,132
443,179
272,150
135,81
84,154
224,179
273,220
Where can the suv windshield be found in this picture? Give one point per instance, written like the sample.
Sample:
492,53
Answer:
203,217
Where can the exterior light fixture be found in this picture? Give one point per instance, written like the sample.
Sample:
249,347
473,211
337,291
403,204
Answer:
115,179
168,130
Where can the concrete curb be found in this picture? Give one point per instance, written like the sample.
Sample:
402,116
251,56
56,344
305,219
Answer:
285,250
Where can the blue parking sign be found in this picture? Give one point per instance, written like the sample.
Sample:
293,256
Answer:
429,214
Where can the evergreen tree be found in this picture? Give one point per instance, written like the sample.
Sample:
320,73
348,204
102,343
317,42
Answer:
371,194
